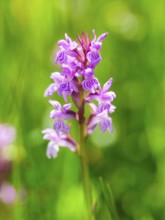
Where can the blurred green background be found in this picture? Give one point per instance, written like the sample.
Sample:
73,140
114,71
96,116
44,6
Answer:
132,159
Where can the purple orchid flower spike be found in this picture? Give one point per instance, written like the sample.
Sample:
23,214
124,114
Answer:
78,60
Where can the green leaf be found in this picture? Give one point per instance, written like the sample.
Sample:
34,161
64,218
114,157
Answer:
107,198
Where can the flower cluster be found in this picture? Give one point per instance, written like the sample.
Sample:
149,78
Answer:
77,80
7,191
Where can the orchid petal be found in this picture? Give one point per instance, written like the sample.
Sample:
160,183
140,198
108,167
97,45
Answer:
106,124
55,104
74,86
69,143
63,44
55,114
57,77
61,57
52,88
92,96
67,38
108,96
107,85
69,115
67,106
93,107
112,109
102,37
95,119
52,150
88,72
50,134
94,35
61,128
65,96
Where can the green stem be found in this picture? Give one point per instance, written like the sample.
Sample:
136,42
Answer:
85,172
84,159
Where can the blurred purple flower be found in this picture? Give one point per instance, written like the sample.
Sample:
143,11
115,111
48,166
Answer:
7,135
8,193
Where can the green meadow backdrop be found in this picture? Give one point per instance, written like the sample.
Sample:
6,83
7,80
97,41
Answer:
132,159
